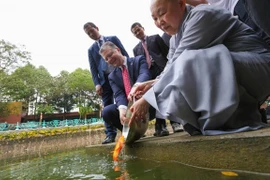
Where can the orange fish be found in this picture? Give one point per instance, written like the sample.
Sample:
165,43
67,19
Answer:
118,147
229,173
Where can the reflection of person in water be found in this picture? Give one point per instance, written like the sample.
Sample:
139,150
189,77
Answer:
217,75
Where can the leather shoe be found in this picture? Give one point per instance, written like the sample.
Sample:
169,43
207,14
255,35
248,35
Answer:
160,133
108,139
177,127
191,130
164,132
161,129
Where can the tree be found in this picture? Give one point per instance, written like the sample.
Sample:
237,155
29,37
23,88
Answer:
84,110
22,81
4,111
45,108
3,75
8,108
80,82
61,95
20,85
43,85
27,84
12,56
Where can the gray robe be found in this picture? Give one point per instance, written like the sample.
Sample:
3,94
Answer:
217,75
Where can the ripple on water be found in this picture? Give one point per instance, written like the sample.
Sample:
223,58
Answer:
88,176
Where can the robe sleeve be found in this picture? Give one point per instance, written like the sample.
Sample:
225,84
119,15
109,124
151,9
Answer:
204,28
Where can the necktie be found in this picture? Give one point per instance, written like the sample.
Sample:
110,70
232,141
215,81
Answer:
104,64
126,80
147,55
100,42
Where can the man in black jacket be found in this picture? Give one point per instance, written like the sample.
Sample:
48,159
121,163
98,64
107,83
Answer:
155,50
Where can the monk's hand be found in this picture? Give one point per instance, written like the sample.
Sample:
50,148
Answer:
122,115
139,110
138,90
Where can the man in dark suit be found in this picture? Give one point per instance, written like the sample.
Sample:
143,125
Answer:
100,71
156,49
138,71
166,38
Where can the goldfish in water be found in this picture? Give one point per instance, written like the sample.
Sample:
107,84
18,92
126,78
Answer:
118,147
229,173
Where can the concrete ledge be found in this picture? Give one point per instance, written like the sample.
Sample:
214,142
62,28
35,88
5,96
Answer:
44,145
247,151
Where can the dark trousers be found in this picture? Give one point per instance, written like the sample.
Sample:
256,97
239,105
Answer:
110,115
155,70
107,99
264,115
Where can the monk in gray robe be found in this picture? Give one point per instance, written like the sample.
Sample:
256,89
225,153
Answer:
218,73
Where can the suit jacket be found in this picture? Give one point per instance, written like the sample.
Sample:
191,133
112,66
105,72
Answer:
96,61
138,72
166,38
157,48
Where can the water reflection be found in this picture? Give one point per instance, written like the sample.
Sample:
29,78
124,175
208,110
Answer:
82,165
120,167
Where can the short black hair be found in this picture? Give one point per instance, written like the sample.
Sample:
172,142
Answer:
135,24
89,24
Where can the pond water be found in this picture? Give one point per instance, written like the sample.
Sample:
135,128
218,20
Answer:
80,164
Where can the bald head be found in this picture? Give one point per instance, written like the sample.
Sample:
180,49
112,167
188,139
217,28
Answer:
166,1
168,14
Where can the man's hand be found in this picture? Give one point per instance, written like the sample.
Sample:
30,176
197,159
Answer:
122,115
99,90
135,92
139,110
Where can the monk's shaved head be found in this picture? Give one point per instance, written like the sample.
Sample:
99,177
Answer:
168,14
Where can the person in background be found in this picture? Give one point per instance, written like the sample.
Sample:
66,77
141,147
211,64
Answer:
254,13
166,38
154,48
259,12
127,72
100,71
217,75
